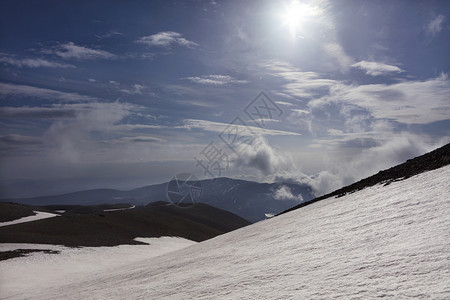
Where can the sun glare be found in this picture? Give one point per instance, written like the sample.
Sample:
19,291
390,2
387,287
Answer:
295,14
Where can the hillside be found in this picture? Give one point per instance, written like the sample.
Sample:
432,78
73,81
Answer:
109,228
383,241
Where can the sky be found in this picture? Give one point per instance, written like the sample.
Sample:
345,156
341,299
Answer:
122,94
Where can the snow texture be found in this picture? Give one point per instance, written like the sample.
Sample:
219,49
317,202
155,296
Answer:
23,276
38,216
384,241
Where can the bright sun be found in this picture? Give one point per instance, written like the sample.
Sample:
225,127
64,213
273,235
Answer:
295,14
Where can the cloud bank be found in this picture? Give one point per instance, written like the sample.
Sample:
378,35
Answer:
344,170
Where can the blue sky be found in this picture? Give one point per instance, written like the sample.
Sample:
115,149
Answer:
129,93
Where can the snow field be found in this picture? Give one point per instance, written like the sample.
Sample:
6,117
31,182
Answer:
23,276
384,241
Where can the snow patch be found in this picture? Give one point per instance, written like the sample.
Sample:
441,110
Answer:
39,216
117,209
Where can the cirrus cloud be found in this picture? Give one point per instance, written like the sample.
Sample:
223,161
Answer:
408,102
240,129
166,39
375,68
71,51
31,62
215,80
435,25
18,90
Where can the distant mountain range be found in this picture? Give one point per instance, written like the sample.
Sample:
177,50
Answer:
247,199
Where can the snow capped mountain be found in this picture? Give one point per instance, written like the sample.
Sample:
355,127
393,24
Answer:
382,241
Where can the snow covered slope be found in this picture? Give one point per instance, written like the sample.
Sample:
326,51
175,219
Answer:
23,276
384,241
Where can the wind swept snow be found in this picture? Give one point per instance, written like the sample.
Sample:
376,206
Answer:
23,276
39,215
384,241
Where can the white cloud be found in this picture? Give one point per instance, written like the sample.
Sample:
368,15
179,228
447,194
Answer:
392,151
435,25
284,103
59,112
128,127
32,62
335,51
72,139
137,89
409,102
243,130
166,39
345,167
264,120
357,109
376,68
334,132
278,66
72,51
300,84
197,102
147,55
108,34
139,139
78,131
9,89
300,112
259,156
215,80
285,193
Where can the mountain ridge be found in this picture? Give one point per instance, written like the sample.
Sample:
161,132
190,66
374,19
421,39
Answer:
247,199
